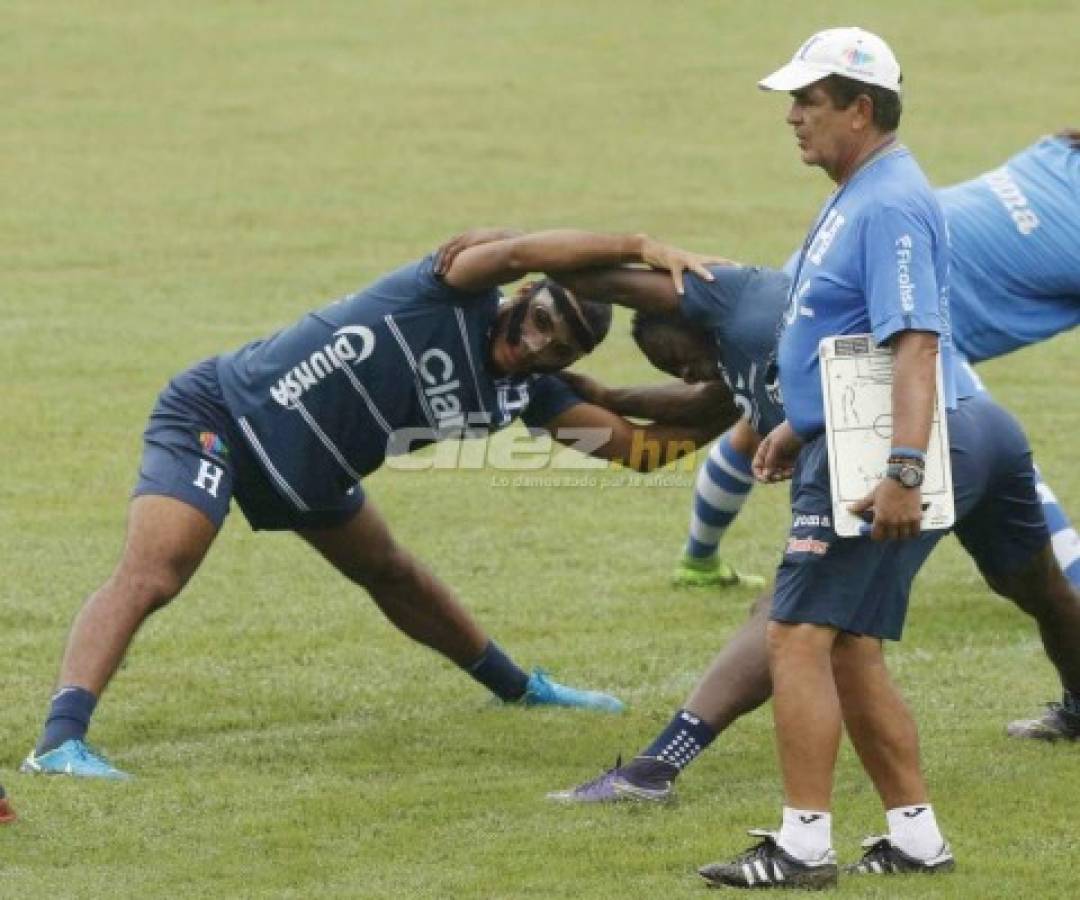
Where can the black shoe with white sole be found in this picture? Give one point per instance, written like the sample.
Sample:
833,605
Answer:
768,865
882,858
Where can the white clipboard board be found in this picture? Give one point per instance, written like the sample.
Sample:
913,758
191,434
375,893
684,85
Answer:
856,380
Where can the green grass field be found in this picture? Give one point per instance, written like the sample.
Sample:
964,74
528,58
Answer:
178,178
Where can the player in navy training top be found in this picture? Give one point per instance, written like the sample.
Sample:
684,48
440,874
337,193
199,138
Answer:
289,425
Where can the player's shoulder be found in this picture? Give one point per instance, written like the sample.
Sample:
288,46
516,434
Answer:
416,283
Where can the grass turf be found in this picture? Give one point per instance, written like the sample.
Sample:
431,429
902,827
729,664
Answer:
177,179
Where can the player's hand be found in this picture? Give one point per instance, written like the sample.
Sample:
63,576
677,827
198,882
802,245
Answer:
894,510
676,261
776,454
1072,135
444,256
587,388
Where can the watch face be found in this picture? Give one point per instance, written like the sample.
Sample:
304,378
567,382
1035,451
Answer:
910,476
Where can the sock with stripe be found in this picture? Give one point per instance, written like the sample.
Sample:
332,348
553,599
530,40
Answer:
806,834
722,486
914,830
1063,536
499,673
680,743
68,719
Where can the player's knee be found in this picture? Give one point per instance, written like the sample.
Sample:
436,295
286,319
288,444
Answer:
1038,589
147,589
388,570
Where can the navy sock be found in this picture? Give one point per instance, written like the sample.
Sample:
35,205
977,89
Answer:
499,673
1071,702
68,719
681,741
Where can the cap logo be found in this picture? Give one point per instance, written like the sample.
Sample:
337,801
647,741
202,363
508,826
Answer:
856,57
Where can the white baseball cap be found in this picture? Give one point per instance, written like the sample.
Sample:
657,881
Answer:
851,52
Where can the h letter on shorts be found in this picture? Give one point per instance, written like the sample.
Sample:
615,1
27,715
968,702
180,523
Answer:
209,477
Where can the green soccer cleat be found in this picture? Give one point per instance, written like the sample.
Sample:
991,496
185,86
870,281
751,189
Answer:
711,572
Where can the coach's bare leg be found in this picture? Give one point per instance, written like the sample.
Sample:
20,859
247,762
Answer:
738,680
806,711
410,596
166,541
878,721
1043,592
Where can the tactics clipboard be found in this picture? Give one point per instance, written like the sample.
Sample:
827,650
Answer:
856,381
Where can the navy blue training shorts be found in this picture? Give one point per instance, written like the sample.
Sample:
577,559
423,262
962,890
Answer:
194,452
862,587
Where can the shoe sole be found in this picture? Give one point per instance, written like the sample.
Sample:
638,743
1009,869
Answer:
621,794
1035,733
816,881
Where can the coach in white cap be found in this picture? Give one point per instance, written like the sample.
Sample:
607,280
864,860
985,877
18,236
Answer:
875,261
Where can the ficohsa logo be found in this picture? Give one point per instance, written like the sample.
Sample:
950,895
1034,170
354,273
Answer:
352,344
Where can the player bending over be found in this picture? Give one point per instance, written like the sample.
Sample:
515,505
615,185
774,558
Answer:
288,426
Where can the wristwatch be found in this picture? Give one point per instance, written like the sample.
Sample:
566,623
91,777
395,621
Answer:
907,470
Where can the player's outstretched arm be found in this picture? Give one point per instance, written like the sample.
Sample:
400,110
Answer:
646,290
599,432
670,403
490,263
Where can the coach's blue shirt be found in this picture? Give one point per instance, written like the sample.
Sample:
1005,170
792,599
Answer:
741,308
387,370
876,261
1016,251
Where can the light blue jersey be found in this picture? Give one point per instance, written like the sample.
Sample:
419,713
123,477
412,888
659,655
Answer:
876,260
1016,251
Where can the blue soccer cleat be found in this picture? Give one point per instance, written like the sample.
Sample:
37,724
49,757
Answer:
75,758
542,691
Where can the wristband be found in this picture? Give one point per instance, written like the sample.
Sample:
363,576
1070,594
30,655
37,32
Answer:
908,453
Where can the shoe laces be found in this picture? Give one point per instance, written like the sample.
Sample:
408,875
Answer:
761,850
87,753
601,778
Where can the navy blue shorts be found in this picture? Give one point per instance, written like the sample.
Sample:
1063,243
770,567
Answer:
194,452
862,587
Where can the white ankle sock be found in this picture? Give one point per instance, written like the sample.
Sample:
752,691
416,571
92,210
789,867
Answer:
914,830
806,834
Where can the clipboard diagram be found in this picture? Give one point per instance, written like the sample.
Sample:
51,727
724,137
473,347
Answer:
856,380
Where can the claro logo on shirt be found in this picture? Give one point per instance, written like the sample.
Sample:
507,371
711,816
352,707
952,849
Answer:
351,345
436,369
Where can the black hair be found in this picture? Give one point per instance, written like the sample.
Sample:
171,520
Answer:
666,331
887,104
